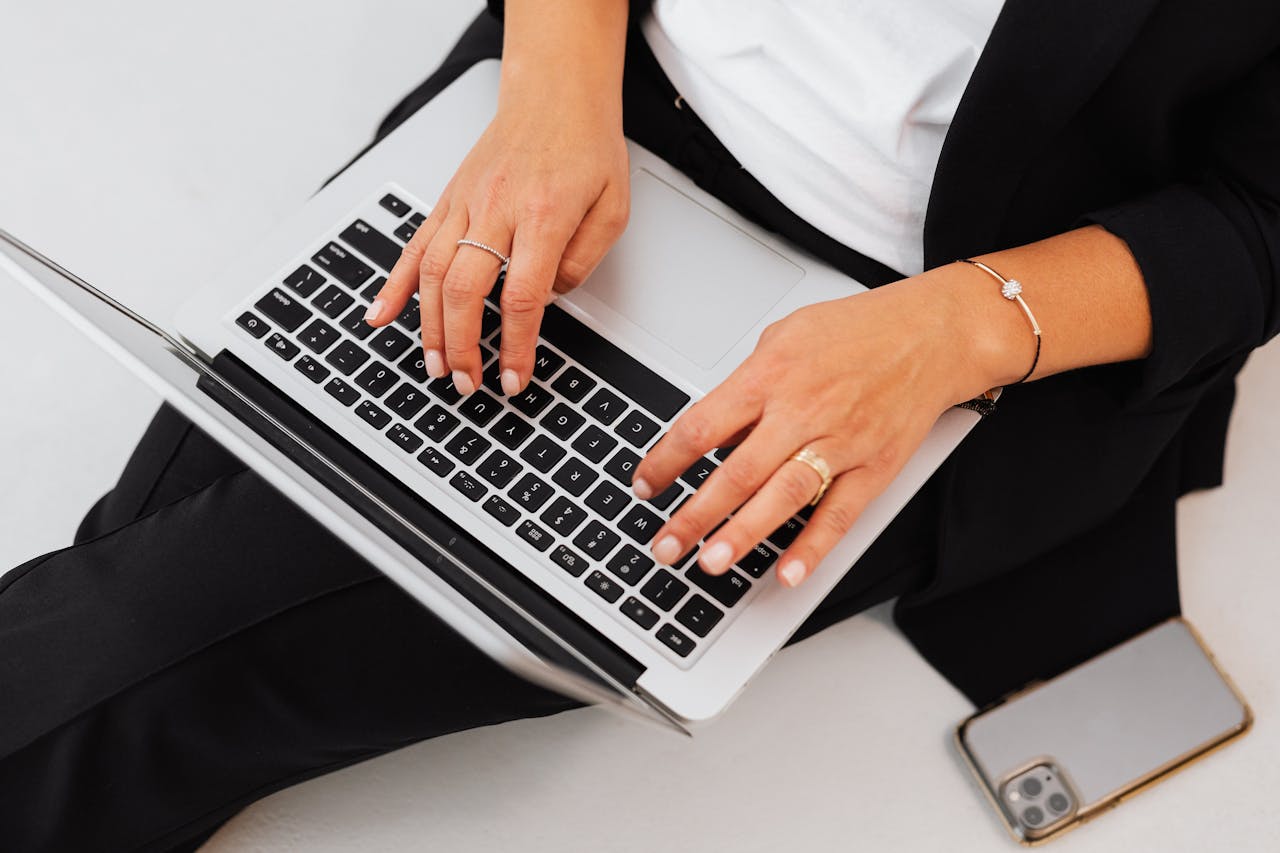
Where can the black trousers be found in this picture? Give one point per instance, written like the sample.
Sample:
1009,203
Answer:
205,643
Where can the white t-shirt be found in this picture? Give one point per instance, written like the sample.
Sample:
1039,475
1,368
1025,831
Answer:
839,107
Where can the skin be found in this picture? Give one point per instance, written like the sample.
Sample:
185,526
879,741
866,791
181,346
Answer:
547,183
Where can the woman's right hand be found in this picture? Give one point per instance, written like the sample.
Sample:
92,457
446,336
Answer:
547,184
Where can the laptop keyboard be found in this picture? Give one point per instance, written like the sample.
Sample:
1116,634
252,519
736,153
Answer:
550,468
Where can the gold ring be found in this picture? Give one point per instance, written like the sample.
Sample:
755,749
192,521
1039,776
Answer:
820,467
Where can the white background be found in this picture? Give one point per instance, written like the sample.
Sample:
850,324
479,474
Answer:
141,143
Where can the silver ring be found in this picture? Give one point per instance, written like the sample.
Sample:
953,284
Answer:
478,245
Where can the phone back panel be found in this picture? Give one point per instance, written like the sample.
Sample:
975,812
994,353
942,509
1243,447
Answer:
1115,721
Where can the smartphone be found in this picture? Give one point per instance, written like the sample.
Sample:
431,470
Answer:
1061,752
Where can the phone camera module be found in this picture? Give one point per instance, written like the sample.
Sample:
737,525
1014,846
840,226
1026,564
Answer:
1058,803
1033,816
1031,787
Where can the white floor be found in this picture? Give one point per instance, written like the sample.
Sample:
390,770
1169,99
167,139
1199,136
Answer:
141,144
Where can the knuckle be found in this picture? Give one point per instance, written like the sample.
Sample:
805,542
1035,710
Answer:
539,207
457,288
695,429
519,297
741,477
796,487
433,268
837,518
573,272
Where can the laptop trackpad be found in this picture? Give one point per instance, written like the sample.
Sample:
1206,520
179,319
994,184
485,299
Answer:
688,277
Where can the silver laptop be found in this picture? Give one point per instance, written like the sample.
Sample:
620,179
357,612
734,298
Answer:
510,518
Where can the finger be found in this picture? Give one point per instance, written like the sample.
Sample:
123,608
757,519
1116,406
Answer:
599,230
468,281
402,281
843,504
728,488
431,271
788,490
535,253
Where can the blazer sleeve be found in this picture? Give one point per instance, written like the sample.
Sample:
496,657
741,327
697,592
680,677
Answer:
638,8
1209,248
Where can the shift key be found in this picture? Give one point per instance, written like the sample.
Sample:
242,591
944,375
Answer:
284,309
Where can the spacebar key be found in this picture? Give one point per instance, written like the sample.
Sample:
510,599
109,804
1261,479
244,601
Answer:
611,364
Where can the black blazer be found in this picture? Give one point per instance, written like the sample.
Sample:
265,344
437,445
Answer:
1159,120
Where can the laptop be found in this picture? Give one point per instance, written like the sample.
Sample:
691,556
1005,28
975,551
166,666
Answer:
512,519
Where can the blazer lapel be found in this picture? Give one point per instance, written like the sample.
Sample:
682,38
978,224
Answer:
1042,62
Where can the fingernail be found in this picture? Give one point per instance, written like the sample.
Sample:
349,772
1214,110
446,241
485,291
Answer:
462,381
667,550
435,364
642,489
716,559
374,314
793,572
510,383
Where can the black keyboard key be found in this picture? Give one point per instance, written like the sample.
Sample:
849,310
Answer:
640,524
414,366
377,379
664,589
480,408
251,323
511,430
373,244
722,453
469,486
318,336
622,466
436,462
304,281
637,429
333,301
282,346
395,205
545,363
574,476
372,415
490,320
639,613
630,564
594,443
603,358
674,640
417,219
532,400
405,231
312,369
491,378
758,560
499,469
564,516
354,323
698,472
699,615
443,388
283,309
573,384
605,406
411,317
342,265
667,496
342,392
373,288
604,586
535,535
404,439
727,588
608,500
786,533
542,453
468,446
562,421
596,540
390,343
569,560
531,493
437,423
406,401
504,512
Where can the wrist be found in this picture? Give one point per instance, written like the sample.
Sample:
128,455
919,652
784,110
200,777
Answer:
1001,341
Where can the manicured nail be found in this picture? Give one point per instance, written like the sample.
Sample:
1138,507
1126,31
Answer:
716,559
642,489
793,572
435,364
462,381
510,383
667,550
374,314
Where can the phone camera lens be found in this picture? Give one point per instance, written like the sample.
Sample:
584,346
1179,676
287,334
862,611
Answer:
1058,803
1031,787
1033,816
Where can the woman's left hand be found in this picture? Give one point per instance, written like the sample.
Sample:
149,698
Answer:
859,381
